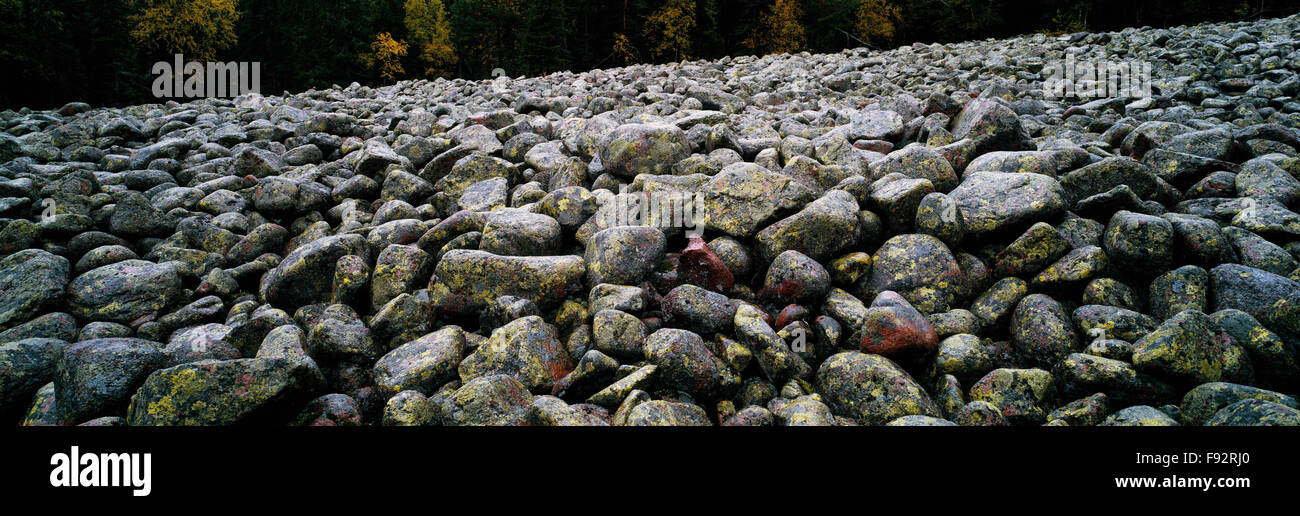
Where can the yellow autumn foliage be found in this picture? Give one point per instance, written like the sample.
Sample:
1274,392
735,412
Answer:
196,28
668,29
779,30
385,56
430,32
875,21
623,50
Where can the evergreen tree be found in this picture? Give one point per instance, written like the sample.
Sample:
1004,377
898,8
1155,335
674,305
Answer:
279,33
544,37
830,24
485,35
709,42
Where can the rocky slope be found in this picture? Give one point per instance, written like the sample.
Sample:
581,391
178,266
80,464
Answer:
910,237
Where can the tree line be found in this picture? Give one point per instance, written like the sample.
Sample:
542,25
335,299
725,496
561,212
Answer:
100,51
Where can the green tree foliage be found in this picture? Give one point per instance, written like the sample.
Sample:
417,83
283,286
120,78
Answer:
709,40
56,51
544,37
829,24
21,51
308,48
485,32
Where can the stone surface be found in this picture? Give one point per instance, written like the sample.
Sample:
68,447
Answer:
305,275
125,291
98,377
527,349
917,235
871,389
30,279
423,364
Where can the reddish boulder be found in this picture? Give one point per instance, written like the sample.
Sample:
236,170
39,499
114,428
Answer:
699,265
894,327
